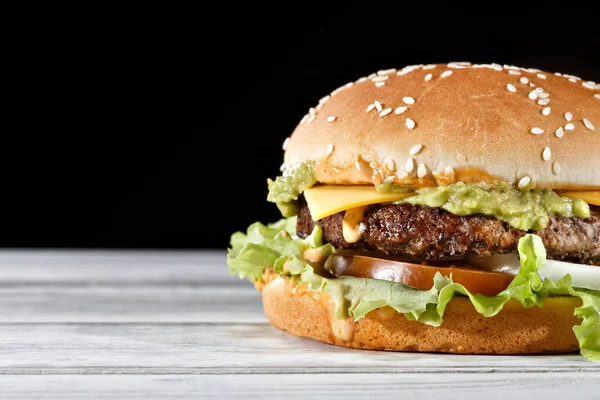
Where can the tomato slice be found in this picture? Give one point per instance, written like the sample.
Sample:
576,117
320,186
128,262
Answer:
416,275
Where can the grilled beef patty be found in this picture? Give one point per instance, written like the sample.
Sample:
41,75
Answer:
434,233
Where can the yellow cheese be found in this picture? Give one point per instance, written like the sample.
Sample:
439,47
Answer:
327,200
330,199
591,197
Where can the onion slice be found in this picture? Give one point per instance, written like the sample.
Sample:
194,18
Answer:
582,276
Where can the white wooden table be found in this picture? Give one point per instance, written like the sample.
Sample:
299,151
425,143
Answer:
94,324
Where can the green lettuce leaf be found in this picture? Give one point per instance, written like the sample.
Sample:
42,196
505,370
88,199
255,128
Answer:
276,245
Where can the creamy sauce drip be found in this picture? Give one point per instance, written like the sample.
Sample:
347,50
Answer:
351,224
343,329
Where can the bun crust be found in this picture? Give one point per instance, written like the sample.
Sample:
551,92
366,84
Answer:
474,122
515,330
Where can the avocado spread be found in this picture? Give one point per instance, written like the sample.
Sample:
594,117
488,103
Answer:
285,189
526,210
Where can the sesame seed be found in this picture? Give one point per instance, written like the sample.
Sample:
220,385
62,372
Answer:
422,171
428,77
303,120
572,80
524,81
371,76
357,165
311,118
537,131
543,95
400,110
390,179
556,168
349,84
329,150
588,124
546,154
524,181
557,74
386,71
541,76
409,165
312,111
415,149
511,87
446,74
378,105
385,112
568,116
403,175
408,100
324,99
533,95
539,89
410,124
514,72
543,102
331,118
370,108
380,78
449,171
588,85
546,111
407,69
560,132
569,127
379,84
461,158
458,64
430,66
597,95
285,143
390,164
362,79
319,106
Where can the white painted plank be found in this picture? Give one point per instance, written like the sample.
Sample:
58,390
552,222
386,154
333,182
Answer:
226,349
114,266
163,324
129,303
123,286
499,386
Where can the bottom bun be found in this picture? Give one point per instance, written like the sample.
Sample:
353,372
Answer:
514,330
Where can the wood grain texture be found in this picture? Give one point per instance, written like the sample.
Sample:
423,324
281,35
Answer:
156,324
500,386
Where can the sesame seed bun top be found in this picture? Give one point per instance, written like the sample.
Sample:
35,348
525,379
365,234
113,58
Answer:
437,124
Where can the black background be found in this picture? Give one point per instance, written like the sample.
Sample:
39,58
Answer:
156,128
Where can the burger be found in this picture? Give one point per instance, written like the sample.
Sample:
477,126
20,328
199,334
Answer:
438,208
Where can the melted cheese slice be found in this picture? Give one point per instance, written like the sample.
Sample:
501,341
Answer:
327,200
591,197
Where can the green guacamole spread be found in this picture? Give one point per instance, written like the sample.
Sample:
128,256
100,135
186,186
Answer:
285,189
526,209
